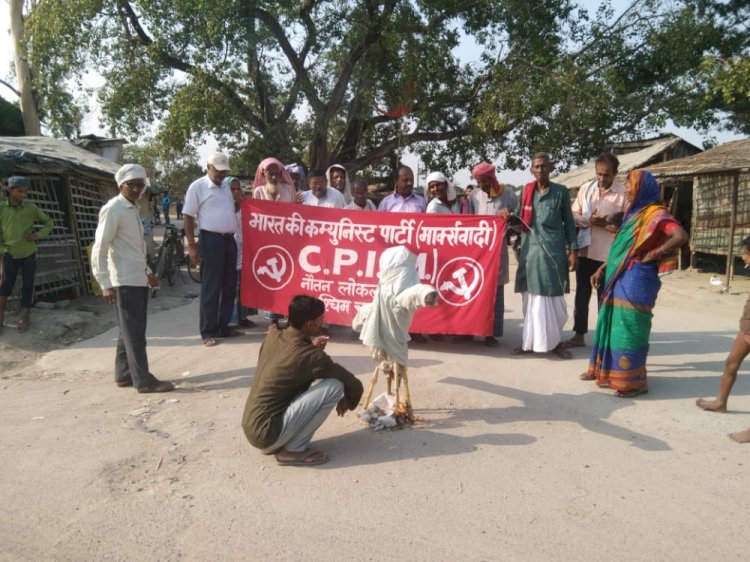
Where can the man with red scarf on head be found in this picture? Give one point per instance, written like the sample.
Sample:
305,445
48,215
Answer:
548,251
491,198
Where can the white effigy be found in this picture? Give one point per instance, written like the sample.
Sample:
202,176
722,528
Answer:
383,325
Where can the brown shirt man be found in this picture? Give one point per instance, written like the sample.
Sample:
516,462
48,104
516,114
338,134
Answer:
287,366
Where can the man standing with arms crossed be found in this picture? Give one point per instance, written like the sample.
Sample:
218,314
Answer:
118,262
209,204
594,212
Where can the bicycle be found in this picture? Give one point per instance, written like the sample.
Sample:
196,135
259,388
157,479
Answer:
194,270
170,255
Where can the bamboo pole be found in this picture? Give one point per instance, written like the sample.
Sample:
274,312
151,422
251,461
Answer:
732,227
373,380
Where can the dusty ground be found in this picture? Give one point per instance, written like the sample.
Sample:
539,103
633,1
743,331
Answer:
515,459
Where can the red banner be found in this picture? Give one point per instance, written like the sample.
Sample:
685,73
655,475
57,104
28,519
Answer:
333,254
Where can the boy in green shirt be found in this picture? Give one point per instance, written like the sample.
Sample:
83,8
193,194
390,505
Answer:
18,246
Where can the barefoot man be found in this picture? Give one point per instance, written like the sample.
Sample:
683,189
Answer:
740,349
284,409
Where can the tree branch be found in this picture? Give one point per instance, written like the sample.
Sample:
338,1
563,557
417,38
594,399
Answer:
11,88
299,69
178,64
351,60
388,146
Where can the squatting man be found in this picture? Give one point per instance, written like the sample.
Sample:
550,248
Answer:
284,408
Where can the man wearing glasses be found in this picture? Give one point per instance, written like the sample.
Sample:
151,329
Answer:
118,262
209,204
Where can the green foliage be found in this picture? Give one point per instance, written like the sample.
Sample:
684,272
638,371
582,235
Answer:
11,120
359,82
174,172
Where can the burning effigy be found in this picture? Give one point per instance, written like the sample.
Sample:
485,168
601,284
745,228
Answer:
383,325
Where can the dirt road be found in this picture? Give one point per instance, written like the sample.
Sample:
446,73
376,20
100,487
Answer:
514,459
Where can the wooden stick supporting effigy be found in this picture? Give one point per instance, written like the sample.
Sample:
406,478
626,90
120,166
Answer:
396,382
373,380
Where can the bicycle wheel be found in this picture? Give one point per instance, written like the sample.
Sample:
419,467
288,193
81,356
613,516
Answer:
170,260
161,265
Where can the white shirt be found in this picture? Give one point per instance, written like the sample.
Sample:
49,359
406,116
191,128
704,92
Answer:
332,199
369,206
118,257
211,205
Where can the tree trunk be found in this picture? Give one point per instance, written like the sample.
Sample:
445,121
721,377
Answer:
29,108
318,152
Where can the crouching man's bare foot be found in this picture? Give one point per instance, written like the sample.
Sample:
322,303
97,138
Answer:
711,405
740,436
302,458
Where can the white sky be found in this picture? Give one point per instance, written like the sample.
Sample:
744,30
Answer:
462,177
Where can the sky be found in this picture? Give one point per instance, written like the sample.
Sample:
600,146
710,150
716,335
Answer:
461,177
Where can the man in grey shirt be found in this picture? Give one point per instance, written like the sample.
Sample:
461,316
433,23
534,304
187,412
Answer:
492,198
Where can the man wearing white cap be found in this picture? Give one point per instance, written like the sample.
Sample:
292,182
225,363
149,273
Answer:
209,203
118,262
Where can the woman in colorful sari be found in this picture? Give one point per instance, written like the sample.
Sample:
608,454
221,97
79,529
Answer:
644,249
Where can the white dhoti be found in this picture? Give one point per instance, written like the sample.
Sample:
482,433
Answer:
543,321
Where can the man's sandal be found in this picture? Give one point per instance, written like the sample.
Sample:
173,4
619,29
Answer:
310,458
587,377
210,342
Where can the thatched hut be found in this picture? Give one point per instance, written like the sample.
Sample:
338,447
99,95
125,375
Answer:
70,184
720,183
632,155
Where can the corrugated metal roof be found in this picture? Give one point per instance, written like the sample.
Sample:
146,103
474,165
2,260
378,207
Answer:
48,154
729,157
629,161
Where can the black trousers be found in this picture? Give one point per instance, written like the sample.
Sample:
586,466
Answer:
131,362
27,267
218,282
586,268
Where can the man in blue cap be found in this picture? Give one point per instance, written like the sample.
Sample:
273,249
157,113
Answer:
18,249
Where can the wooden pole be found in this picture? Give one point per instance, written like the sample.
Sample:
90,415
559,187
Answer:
373,380
732,227
673,211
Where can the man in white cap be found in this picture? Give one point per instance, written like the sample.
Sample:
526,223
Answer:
209,203
118,262
18,246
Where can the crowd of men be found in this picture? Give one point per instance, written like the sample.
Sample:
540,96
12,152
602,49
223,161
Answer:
284,407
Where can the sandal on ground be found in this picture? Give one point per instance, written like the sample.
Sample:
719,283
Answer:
159,386
308,458
490,341
210,342
587,377
630,393
23,325
571,343
124,383
520,351
562,352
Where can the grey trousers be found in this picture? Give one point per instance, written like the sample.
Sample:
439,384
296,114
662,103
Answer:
306,414
131,362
